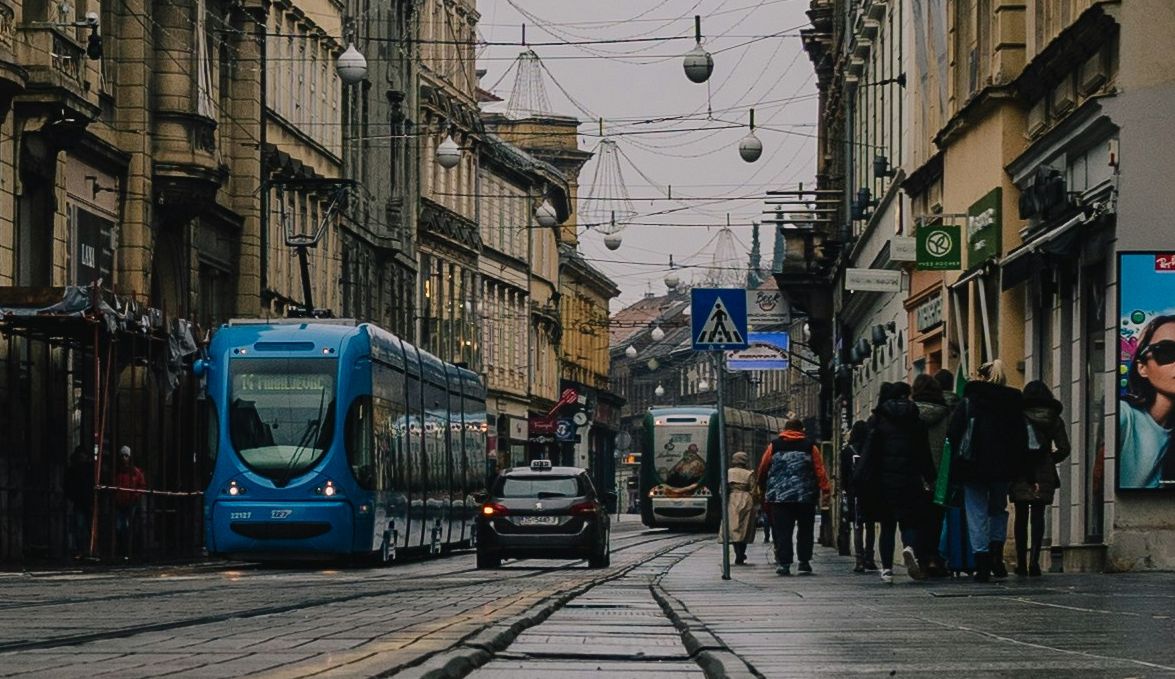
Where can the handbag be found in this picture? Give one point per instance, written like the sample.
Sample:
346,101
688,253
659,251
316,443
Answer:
946,494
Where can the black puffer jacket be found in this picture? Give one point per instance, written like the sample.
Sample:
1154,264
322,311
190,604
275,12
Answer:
897,471
999,436
1037,480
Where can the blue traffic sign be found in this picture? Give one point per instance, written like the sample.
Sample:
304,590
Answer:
718,318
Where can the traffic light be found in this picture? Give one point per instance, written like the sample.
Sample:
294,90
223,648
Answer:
632,458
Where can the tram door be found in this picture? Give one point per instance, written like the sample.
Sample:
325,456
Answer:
414,530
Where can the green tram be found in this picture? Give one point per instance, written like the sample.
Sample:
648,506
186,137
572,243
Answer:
680,469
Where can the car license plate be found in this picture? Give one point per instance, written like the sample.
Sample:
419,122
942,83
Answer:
538,520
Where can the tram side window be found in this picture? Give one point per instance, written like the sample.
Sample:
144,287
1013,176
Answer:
415,432
360,443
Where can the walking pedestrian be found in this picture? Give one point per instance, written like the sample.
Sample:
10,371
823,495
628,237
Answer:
989,442
1037,481
863,528
935,414
79,491
130,484
792,479
741,506
899,467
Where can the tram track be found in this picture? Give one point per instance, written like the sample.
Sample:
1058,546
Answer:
385,572
500,576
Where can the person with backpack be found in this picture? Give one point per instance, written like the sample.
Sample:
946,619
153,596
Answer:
863,529
792,481
989,442
1037,481
900,473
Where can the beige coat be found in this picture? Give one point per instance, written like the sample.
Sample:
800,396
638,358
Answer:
741,505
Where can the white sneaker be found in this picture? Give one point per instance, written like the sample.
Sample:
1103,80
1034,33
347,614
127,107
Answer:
887,576
912,567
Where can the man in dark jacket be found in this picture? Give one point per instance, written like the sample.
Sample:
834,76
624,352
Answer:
989,441
791,476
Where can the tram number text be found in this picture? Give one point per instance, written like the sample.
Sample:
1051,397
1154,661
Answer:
280,513
239,515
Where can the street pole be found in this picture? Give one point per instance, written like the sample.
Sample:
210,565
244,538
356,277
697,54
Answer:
720,369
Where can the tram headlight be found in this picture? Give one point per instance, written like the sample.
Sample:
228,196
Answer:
234,489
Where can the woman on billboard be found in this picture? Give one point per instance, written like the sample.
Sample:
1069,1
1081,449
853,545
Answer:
1146,415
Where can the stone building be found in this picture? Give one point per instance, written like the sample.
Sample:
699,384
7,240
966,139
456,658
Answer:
1026,131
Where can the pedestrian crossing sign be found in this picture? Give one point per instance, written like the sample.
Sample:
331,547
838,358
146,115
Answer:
718,318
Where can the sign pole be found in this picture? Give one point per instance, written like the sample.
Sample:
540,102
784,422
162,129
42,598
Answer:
724,471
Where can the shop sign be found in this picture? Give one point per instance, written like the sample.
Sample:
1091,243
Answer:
767,307
766,351
903,249
873,280
939,248
564,430
928,314
93,249
984,228
1165,263
542,426
517,428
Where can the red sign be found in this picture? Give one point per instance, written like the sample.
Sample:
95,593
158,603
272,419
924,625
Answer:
1165,262
542,425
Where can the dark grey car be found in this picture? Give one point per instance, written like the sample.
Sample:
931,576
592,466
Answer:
545,512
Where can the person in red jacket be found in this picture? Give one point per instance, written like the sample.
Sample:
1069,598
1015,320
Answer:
791,476
131,483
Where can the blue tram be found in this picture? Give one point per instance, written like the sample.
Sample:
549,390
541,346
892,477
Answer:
333,439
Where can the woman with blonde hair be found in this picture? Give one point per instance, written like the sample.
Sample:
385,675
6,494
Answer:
989,442
741,504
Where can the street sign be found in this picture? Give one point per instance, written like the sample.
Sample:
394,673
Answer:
940,248
718,318
767,351
564,430
767,307
873,280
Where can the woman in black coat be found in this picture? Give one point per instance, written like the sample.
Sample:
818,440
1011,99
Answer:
1033,488
989,443
897,476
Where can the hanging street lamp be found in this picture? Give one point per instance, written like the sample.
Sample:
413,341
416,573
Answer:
351,66
448,153
630,351
698,63
546,215
750,148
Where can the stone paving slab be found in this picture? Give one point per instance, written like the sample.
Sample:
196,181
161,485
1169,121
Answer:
837,623
545,669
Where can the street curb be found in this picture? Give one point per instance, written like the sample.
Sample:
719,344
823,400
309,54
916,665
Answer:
708,651
479,647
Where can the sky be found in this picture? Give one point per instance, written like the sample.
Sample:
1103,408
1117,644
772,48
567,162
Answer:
684,175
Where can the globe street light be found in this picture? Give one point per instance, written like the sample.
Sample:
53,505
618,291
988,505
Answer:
448,153
612,241
659,391
351,66
658,334
672,281
630,351
750,148
546,215
698,63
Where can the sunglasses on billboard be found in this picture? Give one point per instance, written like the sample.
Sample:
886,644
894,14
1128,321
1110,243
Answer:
1162,351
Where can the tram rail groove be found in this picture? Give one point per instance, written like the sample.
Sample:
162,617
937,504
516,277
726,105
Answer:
705,648
122,633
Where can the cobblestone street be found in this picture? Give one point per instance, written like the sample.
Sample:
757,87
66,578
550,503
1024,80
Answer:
661,610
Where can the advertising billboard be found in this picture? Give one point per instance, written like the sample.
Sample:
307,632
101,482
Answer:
1146,370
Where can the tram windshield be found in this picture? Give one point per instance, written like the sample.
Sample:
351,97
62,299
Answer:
281,413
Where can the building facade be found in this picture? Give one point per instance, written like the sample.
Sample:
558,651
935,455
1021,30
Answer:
1019,116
